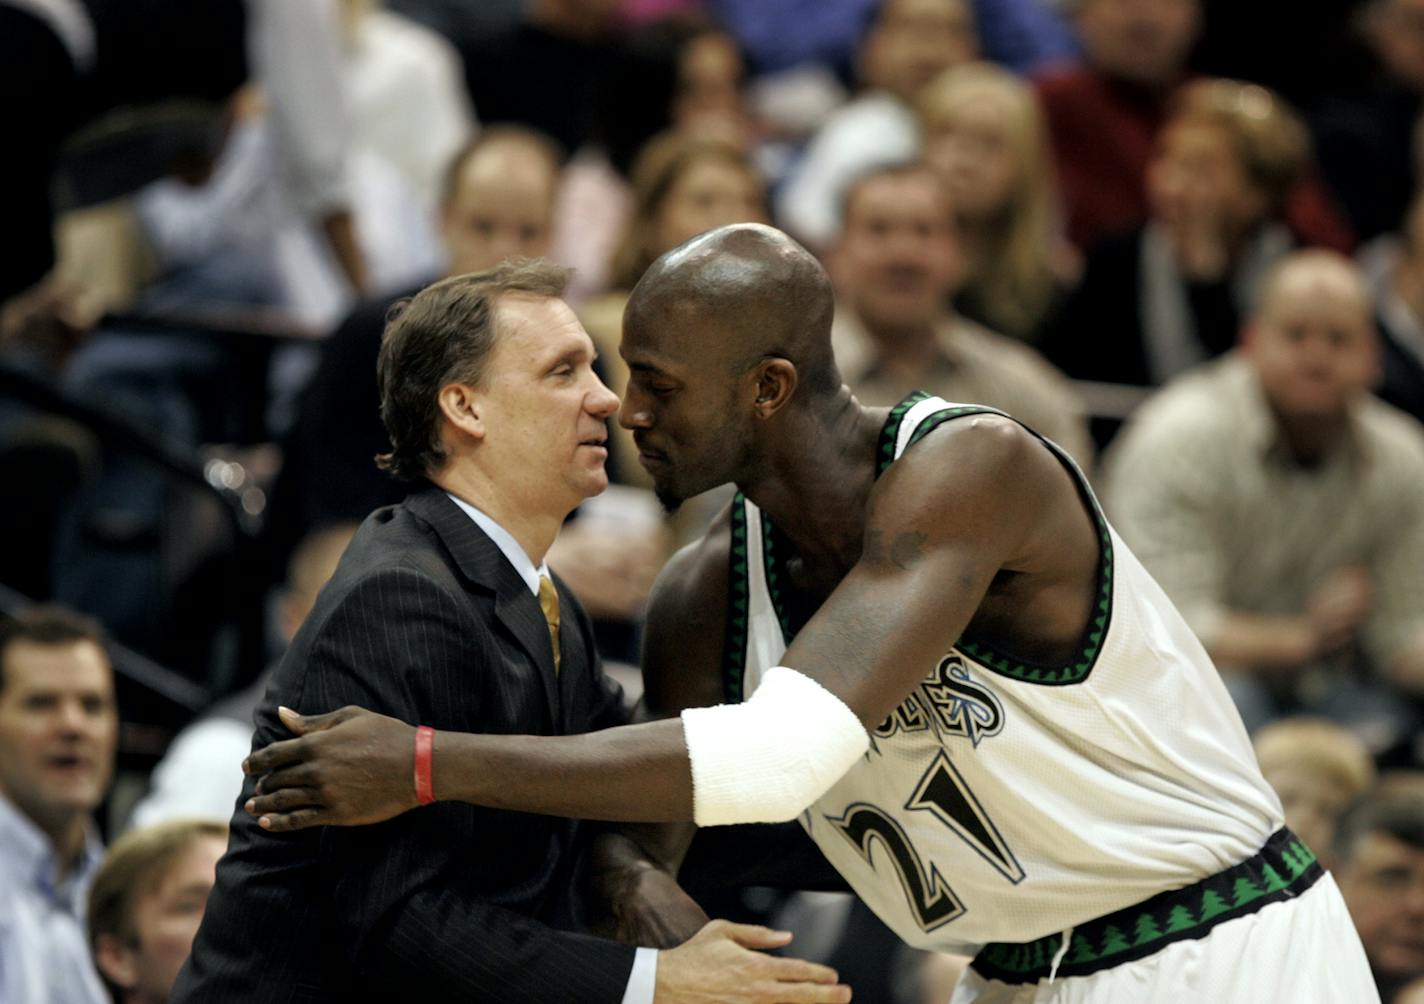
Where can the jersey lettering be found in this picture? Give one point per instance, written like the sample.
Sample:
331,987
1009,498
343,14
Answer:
961,706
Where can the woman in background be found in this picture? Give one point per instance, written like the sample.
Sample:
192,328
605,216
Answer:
984,133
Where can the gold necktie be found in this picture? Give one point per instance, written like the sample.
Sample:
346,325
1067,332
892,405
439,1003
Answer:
549,603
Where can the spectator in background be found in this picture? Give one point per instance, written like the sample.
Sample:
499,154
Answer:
1379,855
1104,113
235,239
406,89
984,134
1024,35
1020,34
1318,769
498,201
1104,116
1281,507
908,44
58,732
683,75
89,59
1367,139
545,69
709,99
1399,306
895,264
1173,293
200,775
146,903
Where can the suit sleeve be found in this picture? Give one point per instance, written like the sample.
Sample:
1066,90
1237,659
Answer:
414,898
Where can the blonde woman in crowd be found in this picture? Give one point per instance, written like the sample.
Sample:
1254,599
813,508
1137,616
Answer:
984,133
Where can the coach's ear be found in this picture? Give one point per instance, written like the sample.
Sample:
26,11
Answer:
776,380
460,405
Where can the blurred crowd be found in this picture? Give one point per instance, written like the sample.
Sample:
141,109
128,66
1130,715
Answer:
1184,239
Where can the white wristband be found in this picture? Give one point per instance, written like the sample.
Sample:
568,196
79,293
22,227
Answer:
766,760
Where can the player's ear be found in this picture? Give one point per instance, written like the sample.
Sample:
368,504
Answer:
461,407
776,380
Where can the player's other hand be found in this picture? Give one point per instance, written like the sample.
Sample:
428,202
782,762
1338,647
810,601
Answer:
650,908
346,768
723,964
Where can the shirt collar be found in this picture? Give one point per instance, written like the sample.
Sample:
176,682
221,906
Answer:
29,858
508,546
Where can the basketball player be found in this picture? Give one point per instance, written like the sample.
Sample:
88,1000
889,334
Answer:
930,648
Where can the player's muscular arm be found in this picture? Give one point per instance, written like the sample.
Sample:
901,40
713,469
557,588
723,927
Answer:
942,522
969,500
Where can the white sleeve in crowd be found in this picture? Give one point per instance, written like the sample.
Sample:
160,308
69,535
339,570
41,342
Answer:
295,48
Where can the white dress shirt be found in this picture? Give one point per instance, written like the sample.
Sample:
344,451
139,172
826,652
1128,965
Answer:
44,951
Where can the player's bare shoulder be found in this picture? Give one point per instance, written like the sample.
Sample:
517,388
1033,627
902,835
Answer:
686,624
968,477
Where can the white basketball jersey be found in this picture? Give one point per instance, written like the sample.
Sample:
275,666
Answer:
1002,802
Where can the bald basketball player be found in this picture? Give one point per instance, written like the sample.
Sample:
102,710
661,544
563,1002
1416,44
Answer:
914,631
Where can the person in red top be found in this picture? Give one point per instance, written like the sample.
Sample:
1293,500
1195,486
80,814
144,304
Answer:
1104,115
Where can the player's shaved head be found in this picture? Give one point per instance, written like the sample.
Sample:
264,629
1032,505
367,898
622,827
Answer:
728,344
736,295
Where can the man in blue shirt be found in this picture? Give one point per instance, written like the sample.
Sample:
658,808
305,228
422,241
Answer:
58,729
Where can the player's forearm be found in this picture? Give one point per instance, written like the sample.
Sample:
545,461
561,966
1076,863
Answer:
1261,641
637,773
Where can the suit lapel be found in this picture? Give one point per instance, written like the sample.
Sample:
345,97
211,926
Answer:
482,562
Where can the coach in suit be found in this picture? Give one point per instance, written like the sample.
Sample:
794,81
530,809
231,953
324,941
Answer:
441,613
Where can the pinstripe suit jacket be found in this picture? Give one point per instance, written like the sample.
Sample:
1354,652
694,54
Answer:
424,620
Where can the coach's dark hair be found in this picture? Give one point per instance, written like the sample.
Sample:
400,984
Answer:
440,336
48,625
1394,806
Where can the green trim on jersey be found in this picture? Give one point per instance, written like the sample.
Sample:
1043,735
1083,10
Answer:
1283,869
734,647
890,431
776,551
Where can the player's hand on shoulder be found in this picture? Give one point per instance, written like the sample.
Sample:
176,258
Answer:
346,768
726,963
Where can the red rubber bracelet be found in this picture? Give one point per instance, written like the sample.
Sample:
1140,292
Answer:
424,753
